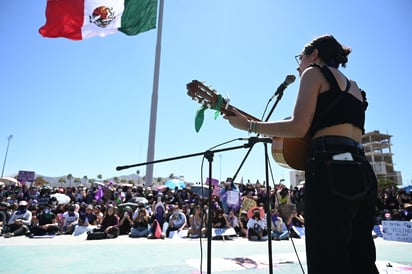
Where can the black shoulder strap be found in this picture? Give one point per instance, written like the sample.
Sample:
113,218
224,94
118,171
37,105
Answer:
334,84
330,77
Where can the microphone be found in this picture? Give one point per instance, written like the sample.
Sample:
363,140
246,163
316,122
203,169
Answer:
289,80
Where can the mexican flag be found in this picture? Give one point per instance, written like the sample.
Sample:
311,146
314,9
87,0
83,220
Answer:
81,19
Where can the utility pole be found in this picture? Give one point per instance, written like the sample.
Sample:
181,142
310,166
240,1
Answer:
5,157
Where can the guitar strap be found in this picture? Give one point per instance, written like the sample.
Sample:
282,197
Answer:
334,85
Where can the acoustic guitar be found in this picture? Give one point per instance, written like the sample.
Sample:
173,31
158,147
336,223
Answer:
287,152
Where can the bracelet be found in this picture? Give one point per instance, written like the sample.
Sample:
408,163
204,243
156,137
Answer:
252,126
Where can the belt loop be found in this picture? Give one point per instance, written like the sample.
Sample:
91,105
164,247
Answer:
323,143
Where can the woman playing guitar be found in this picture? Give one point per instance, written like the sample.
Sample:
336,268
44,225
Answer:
340,183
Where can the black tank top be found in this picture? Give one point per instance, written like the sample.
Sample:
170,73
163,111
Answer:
336,106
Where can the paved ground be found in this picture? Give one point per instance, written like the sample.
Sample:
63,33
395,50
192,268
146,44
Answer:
67,254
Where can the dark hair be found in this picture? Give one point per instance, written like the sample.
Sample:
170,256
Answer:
330,50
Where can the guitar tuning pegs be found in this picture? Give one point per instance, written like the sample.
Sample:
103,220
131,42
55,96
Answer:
227,99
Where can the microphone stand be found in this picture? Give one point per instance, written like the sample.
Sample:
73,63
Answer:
268,202
279,96
209,156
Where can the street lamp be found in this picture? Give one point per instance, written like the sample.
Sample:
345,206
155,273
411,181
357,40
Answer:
5,157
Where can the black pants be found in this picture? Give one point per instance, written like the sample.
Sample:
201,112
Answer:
340,198
19,230
39,231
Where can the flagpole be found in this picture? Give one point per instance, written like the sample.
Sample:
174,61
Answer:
153,111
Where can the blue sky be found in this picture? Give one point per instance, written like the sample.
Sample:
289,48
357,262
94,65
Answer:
83,107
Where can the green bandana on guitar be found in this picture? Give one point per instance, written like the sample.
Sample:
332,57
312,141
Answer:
200,113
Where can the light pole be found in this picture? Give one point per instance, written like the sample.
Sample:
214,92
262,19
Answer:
5,157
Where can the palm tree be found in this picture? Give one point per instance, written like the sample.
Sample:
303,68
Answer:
70,177
61,181
138,176
40,181
77,181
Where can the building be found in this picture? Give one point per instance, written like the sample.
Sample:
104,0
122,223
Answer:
378,151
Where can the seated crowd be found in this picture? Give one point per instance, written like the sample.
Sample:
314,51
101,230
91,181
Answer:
105,212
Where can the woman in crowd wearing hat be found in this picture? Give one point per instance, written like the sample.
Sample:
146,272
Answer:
20,221
256,226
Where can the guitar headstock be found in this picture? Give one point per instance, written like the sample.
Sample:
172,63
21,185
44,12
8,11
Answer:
204,95
211,99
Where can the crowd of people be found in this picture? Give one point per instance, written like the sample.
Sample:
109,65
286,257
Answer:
104,212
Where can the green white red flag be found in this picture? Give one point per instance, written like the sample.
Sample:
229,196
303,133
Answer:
81,19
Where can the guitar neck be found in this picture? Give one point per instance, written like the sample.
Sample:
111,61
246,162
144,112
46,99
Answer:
228,110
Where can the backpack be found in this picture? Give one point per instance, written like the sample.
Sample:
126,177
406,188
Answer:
156,230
